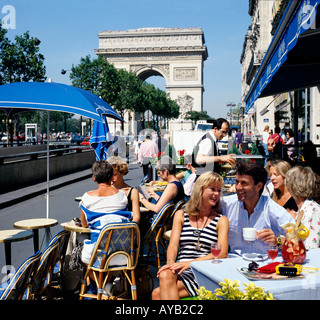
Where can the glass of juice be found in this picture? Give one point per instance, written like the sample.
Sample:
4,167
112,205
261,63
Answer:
216,250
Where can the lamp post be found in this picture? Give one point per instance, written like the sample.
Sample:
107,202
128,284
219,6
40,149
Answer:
231,105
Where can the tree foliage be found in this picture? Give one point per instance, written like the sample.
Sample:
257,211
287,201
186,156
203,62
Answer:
20,61
122,89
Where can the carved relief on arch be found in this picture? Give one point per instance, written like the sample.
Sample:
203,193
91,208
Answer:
144,71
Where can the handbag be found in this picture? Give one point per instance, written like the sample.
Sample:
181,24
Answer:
144,281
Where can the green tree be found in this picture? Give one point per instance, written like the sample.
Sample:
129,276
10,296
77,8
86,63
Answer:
20,61
197,115
123,90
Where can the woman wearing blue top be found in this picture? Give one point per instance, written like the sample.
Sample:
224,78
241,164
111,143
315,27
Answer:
174,191
103,205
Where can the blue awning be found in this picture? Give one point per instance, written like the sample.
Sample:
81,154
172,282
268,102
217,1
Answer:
292,60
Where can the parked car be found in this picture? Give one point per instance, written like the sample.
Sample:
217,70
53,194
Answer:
86,141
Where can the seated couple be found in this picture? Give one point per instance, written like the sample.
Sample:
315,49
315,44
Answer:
207,218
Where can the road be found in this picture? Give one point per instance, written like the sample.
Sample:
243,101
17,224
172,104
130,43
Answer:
63,207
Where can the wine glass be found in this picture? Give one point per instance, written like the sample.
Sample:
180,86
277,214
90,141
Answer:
273,252
216,250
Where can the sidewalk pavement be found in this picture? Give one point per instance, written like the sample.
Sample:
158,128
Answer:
22,194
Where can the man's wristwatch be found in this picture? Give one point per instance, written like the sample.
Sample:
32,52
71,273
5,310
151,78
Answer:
279,241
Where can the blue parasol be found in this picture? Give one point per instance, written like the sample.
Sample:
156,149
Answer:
101,140
19,96
25,96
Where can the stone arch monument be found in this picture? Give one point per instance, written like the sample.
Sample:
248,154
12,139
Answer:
175,54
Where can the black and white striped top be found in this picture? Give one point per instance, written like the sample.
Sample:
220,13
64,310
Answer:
188,239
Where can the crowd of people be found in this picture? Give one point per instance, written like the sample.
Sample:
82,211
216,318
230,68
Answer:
266,198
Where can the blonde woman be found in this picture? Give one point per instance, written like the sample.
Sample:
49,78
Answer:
120,169
281,195
193,231
301,182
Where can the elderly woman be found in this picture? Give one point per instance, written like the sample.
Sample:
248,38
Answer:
277,170
193,231
174,191
301,182
120,169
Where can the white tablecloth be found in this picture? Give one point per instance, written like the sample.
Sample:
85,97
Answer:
308,288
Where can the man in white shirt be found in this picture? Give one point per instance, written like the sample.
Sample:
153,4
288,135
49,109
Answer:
206,153
249,208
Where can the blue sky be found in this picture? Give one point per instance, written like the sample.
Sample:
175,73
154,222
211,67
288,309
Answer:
69,30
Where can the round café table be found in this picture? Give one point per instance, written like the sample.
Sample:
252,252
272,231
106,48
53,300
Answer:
73,228
12,235
35,225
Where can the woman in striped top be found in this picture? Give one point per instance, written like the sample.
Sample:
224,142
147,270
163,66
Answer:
193,231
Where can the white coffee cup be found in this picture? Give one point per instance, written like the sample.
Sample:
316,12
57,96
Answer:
249,234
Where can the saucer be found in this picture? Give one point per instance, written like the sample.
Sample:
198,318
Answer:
255,256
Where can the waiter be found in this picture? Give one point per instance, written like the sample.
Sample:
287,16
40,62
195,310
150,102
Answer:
206,154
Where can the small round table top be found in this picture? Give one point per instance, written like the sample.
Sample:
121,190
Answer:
71,227
13,235
35,223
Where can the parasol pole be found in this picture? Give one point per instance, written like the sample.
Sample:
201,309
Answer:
48,167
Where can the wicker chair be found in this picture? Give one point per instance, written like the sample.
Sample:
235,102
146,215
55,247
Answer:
18,285
116,250
44,273
155,232
167,231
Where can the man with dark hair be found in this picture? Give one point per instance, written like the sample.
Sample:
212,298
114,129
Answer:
206,154
250,209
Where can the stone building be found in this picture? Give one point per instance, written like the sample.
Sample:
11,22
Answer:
278,70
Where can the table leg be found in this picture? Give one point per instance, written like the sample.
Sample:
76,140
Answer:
36,240
48,234
7,249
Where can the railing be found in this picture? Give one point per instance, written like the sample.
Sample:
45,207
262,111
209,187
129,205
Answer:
36,154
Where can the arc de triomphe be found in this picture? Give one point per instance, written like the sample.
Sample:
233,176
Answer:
175,54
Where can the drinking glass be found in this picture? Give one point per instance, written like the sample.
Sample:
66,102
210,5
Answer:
216,250
273,252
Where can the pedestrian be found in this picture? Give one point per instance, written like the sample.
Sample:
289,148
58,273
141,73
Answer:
206,156
119,145
136,144
194,229
275,143
148,150
239,136
264,140
250,208
292,155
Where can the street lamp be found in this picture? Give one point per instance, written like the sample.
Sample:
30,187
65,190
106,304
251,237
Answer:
231,105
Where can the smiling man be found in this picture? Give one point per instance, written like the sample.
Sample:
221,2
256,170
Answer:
250,209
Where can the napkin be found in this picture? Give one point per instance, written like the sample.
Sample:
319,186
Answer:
269,268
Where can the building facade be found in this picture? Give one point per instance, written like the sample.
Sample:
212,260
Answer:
299,109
